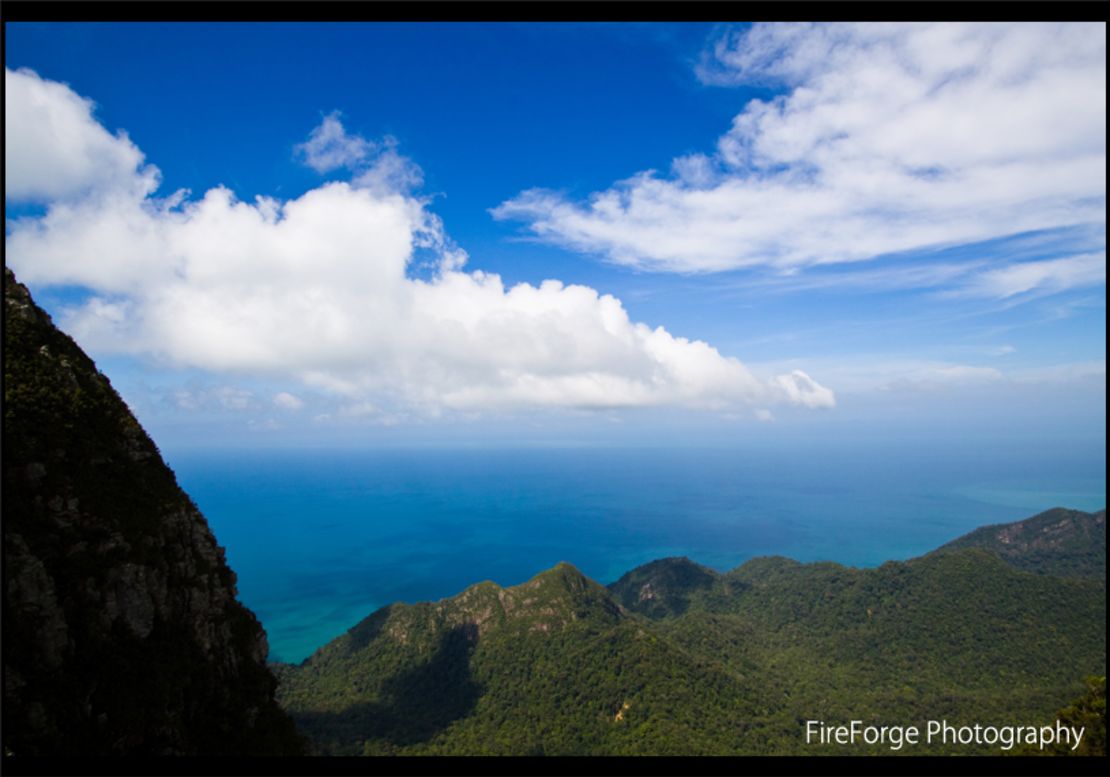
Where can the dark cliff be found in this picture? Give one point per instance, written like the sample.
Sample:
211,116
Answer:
121,630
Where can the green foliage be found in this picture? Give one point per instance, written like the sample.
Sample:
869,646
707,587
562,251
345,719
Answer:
1060,542
1087,712
663,588
726,664
548,667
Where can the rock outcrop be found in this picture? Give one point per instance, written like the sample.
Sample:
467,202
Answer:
121,629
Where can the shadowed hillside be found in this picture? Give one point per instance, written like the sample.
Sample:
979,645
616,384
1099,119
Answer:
122,633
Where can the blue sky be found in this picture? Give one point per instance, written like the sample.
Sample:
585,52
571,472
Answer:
779,231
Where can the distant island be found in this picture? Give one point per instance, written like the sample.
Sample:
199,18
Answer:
123,636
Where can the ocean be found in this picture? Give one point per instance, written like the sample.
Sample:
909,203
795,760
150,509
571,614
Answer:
320,539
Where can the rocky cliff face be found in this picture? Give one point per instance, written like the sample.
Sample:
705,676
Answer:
121,630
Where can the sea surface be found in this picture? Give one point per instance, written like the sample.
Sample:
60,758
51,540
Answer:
322,538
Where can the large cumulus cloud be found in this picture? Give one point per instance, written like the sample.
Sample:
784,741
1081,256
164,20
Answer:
321,287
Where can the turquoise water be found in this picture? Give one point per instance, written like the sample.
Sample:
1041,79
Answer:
320,539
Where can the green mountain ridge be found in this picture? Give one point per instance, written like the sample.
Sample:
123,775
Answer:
1060,542
675,658
553,665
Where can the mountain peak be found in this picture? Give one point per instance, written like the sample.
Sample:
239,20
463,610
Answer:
1059,542
562,575
556,598
549,602
663,587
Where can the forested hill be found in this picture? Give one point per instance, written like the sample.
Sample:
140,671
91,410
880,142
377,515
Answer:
675,658
1061,542
664,587
553,665
122,633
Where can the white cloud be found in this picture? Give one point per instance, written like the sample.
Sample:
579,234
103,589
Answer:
1046,276
803,390
329,147
389,171
55,149
213,398
376,166
878,375
888,138
943,376
317,288
287,401
887,374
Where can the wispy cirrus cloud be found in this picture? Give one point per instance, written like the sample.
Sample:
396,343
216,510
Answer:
885,138
1042,277
985,277
287,401
208,398
874,374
